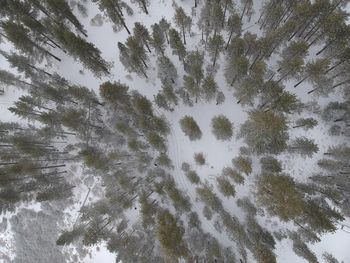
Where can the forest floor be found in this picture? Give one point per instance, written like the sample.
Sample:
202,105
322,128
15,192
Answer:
218,154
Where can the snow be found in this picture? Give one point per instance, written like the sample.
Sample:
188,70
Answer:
218,154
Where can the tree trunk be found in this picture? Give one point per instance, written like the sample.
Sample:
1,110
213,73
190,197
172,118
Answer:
216,53
144,63
149,50
298,126
301,81
53,42
229,39
334,66
339,84
225,10
121,18
183,34
52,166
244,8
46,51
144,6
195,3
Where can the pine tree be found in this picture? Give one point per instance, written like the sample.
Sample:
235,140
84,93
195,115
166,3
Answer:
191,87
194,65
292,59
209,88
165,26
329,258
225,187
85,52
215,46
233,25
158,39
222,128
113,10
20,38
247,8
278,194
167,72
183,21
142,35
306,124
143,4
270,164
176,44
265,132
304,146
302,250
170,235
190,128
243,164
220,98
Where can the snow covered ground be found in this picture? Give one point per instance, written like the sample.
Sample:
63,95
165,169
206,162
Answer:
218,154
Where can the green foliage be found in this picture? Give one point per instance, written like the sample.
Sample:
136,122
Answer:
190,128
156,141
222,128
209,198
225,187
234,174
164,160
199,158
243,164
194,221
265,132
279,195
304,146
170,235
193,177
270,164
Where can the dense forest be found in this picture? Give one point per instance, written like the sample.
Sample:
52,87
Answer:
185,131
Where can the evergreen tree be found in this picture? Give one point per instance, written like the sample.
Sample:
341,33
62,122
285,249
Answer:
142,35
270,164
167,72
170,235
233,25
183,21
194,66
303,146
158,39
222,128
176,44
84,51
209,88
247,8
292,59
215,46
143,4
329,258
20,38
279,195
225,187
113,10
265,132
243,164
307,123
190,128
165,26
191,87
302,250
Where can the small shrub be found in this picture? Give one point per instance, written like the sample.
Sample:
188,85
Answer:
243,164
193,177
199,158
